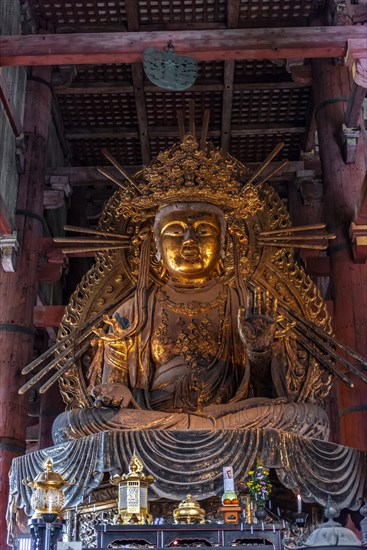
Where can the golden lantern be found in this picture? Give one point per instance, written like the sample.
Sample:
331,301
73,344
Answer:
132,501
48,495
189,511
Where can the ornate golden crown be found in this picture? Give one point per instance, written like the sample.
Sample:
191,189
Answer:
188,173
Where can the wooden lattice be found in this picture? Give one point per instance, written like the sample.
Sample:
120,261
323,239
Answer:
267,106
253,106
275,9
92,12
162,107
98,110
87,152
182,11
254,148
104,73
253,69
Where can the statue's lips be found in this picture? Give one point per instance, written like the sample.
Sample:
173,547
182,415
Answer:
190,253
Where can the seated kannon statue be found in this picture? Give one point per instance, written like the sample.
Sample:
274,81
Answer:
191,351
197,341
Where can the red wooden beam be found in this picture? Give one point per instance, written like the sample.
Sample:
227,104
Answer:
47,316
49,272
203,45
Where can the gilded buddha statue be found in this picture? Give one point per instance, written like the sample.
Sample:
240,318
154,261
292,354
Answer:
197,347
195,340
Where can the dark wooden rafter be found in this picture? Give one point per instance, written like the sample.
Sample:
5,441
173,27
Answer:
233,15
354,106
141,111
132,14
59,127
118,88
192,25
217,45
311,127
238,130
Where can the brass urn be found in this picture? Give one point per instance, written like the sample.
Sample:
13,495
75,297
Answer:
189,511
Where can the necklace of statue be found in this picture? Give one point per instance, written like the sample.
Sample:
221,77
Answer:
191,309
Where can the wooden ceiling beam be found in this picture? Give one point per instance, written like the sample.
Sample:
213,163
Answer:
203,45
267,129
182,25
225,140
141,111
233,17
89,175
132,15
355,104
118,88
172,131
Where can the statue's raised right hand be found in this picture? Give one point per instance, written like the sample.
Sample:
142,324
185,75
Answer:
257,322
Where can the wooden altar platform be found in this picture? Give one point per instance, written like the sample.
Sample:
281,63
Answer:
195,536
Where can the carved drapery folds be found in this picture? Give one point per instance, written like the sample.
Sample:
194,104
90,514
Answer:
184,461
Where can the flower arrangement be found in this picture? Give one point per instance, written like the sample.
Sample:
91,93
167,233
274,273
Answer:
258,483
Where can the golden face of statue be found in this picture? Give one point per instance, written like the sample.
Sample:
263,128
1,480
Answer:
189,243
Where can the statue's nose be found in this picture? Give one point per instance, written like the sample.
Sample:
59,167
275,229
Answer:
190,235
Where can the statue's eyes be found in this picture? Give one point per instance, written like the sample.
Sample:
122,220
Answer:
174,230
205,230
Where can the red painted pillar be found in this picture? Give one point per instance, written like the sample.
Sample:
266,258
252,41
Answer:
342,188
18,291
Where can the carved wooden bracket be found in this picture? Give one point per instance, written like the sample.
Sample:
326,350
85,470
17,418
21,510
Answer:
56,192
310,186
356,60
358,235
20,152
8,251
349,139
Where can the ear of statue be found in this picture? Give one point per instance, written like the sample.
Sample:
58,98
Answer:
219,268
163,270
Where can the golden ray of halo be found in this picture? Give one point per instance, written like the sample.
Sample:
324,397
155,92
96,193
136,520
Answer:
275,171
295,245
122,171
296,237
93,249
111,177
75,240
266,162
90,231
293,229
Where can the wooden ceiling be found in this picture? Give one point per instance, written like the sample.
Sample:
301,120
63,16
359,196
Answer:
254,104
254,76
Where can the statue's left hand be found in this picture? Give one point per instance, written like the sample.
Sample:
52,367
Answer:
257,324
113,395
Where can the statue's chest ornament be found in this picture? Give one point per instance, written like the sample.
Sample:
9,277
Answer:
192,330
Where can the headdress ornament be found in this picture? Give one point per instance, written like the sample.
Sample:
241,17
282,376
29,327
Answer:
188,173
